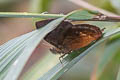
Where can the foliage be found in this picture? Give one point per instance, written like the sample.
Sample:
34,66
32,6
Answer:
15,53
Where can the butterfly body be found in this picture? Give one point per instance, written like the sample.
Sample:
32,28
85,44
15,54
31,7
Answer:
68,37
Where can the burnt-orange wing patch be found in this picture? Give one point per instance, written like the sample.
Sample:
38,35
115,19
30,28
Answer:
80,36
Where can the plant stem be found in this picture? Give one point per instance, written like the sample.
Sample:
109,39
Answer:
28,15
47,16
88,6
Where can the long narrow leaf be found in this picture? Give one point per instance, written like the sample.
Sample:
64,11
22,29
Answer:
68,62
30,46
118,75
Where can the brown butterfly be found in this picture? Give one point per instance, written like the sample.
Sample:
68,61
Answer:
68,37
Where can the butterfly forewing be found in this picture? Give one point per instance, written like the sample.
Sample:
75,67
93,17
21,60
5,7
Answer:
68,37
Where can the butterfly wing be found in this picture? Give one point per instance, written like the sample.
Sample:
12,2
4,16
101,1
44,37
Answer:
42,23
80,36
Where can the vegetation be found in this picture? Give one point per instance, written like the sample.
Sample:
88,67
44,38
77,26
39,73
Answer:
103,55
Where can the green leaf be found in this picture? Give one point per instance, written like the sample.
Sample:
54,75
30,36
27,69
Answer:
41,68
108,66
28,48
82,15
78,15
29,15
27,45
73,58
118,75
14,56
10,51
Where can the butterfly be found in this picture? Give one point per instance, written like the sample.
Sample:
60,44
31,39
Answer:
67,37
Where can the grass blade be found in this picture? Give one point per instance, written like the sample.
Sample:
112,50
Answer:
30,46
118,76
71,59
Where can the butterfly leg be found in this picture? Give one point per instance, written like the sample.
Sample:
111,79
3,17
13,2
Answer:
58,51
55,51
61,57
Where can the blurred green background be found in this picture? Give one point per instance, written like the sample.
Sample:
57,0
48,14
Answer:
86,68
